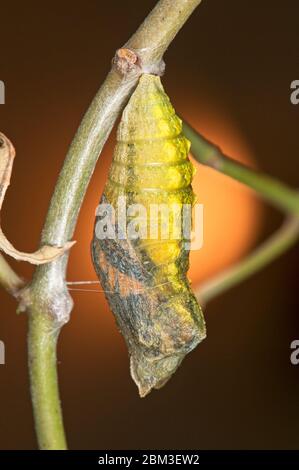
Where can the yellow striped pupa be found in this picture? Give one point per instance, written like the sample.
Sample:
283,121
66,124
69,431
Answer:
146,280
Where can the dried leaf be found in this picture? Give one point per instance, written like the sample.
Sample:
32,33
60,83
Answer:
46,253
7,155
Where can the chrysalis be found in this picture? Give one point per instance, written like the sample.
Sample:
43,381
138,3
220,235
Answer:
145,278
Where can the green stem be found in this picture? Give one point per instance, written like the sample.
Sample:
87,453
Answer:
275,246
268,188
275,192
44,384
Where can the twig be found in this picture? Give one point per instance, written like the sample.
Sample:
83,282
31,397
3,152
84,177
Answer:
273,191
47,299
42,339
268,188
271,249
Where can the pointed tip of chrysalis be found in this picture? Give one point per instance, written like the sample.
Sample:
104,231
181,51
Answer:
150,374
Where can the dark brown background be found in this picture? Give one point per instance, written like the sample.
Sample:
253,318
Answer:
238,389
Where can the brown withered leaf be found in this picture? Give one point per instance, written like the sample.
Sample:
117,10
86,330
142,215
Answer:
46,253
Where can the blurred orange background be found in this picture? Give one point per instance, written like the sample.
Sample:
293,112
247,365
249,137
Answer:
228,73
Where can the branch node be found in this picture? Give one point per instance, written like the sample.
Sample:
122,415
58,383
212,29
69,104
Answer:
129,62
126,61
55,301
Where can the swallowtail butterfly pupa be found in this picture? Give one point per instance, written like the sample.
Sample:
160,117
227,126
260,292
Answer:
146,280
